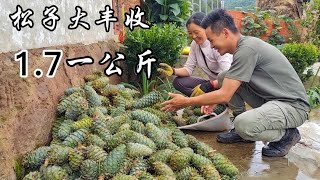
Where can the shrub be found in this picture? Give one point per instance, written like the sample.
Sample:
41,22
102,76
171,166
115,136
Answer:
301,56
311,22
167,11
314,96
165,42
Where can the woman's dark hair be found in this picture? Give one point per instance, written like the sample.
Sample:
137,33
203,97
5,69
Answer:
196,18
217,20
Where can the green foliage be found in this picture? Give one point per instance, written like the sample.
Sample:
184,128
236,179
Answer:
165,11
311,22
275,37
301,56
165,42
314,96
295,32
254,24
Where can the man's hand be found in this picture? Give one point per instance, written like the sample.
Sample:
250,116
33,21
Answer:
165,69
202,88
208,109
177,102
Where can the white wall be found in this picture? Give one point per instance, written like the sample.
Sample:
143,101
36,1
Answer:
38,36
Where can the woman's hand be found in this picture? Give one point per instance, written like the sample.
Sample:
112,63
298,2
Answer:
208,109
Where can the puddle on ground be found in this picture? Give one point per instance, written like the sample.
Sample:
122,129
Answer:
251,164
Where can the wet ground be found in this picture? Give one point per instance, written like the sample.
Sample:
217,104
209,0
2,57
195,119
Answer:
247,157
252,165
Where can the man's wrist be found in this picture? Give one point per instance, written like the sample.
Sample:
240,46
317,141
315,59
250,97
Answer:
174,71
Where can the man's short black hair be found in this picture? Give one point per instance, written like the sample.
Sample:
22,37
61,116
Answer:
217,20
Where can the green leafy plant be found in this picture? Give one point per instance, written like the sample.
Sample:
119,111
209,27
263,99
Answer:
295,32
301,56
165,86
165,11
314,96
311,22
254,24
165,41
275,37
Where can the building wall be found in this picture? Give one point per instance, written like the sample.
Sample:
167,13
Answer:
38,36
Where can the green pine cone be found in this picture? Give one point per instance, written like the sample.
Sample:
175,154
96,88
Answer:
124,127
125,94
64,130
137,126
75,138
145,117
181,158
75,159
200,147
57,155
209,172
155,134
105,101
55,126
103,110
124,177
54,173
133,93
96,153
115,123
127,136
149,100
164,117
199,160
135,150
36,158
89,169
138,166
164,177
162,169
93,139
197,111
100,83
161,155
72,90
109,90
224,165
186,173
172,146
144,175
94,76
76,108
92,96
117,111
180,121
84,123
35,175
179,138
119,102
97,114
192,119
98,125
68,169
66,101
114,161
